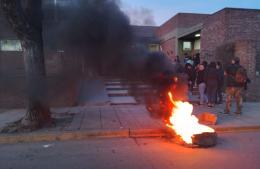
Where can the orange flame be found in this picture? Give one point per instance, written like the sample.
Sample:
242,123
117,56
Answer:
184,123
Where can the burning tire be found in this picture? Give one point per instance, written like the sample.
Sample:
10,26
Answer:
205,139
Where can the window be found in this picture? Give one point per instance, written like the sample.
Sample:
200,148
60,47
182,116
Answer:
197,44
10,45
153,47
186,45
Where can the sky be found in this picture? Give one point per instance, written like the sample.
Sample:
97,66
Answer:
156,12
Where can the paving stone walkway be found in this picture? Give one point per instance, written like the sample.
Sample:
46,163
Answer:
129,117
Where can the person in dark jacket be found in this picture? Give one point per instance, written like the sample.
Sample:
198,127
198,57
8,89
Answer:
201,84
219,96
191,73
205,63
177,59
197,60
234,88
211,80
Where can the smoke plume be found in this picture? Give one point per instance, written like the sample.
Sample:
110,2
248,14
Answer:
140,16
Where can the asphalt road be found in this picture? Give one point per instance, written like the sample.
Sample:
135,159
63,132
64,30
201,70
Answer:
234,151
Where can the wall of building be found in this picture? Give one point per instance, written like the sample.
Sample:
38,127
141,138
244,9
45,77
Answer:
249,51
170,31
226,26
244,28
246,51
258,57
11,64
187,20
243,24
169,48
179,21
213,35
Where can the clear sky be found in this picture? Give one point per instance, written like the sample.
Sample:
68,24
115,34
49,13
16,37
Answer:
162,10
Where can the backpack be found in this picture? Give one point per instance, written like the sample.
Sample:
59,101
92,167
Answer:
241,75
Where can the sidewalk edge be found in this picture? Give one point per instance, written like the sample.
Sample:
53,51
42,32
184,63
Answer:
84,135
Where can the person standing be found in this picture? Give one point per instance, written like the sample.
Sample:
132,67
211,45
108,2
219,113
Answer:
197,60
190,71
236,79
186,58
219,96
211,80
205,63
201,84
177,59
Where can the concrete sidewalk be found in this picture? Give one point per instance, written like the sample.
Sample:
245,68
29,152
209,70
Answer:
75,123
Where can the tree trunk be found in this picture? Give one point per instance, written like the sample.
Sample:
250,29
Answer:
37,110
25,17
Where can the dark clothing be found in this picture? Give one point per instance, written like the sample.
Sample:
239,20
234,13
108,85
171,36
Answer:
179,68
247,81
201,77
196,60
231,73
211,93
191,77
191,74
219,97
211,79
221,78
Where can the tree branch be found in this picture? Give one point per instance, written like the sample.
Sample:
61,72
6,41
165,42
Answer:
24,27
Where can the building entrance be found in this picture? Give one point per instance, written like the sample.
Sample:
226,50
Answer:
189,44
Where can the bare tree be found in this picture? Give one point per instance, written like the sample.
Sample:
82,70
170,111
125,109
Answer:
25,18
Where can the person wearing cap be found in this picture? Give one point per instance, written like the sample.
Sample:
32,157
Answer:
234,87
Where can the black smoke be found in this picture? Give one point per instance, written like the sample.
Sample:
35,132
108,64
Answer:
100,35
97,31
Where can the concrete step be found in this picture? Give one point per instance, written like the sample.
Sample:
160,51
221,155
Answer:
111,83
117,87
127,87
126,100
119,92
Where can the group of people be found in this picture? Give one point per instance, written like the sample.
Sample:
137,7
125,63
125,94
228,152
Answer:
211,79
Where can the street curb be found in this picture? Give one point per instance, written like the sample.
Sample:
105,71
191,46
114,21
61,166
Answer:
61,136
147,133
237,129
85,135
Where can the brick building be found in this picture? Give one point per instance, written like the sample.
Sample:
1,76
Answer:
219,36
146,36
177,35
